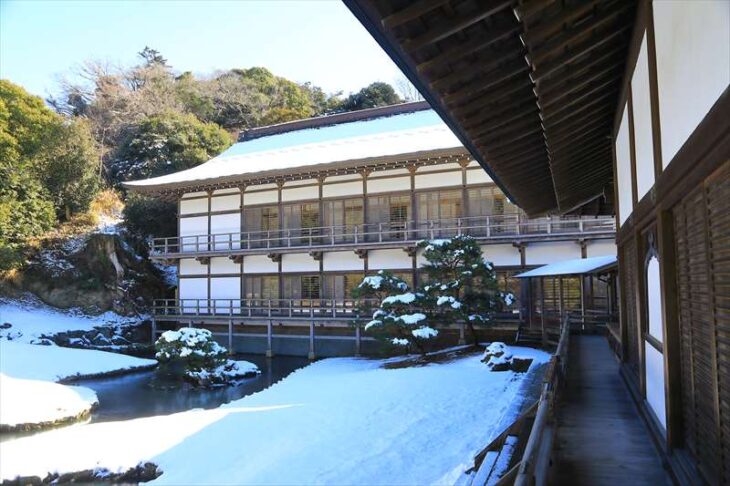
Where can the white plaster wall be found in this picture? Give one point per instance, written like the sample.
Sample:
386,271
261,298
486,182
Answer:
229,190
190,266
223,224
693,65
228,202
259,264
642,123
501,255
192,227
389,185
551,252
264,197
194,194
193,288
300,193
192,206
220,265
303,182
444,179
342,261
595,248
477,176
654,299
655,383
298,262
623,168
391,172
432,168
342,189
395,259
226,288
344,177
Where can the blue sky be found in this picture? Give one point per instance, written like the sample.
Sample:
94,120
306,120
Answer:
303,40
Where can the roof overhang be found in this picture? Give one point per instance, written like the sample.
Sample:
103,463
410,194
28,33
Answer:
580,266
529,87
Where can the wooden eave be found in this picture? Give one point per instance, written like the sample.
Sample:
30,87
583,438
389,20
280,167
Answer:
530,87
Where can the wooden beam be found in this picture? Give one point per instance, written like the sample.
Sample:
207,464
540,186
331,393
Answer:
411,12
571,86
596,101
459,51
495,96
588,64
609,85
451,26
488,128
553,25
467,91
478,68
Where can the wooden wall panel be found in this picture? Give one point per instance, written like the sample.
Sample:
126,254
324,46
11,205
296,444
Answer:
702,239
629,282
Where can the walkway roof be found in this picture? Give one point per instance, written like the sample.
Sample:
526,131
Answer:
401,132
580,266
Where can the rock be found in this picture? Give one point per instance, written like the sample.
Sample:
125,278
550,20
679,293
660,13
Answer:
5,325
521,365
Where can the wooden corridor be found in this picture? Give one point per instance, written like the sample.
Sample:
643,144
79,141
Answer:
601,438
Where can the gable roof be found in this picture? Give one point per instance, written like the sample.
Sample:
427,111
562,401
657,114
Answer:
404,132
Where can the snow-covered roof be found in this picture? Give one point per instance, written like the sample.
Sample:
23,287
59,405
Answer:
403,134
571,267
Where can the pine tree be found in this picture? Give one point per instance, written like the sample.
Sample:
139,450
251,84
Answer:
461,286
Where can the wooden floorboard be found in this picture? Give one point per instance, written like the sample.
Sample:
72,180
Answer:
601,438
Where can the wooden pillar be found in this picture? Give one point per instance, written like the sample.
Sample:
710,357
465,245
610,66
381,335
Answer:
153,330
230,336
358,344
269,339
583,302
561,303
542,309
311,354
462,338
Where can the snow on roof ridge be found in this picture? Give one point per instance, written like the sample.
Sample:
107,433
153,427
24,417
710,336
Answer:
333,119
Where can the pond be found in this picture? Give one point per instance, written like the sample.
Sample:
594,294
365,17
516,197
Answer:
132,396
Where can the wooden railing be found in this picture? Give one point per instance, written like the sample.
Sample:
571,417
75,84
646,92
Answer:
533,432
290,308
482,227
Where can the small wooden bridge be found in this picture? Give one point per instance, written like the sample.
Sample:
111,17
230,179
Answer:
584,430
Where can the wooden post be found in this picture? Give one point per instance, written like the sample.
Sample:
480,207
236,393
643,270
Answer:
269,340
311,340
582,302
230,336
462,339
542,310
358,344
154,330
561,303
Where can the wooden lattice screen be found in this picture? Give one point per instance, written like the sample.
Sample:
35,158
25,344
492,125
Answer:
702,238
629,282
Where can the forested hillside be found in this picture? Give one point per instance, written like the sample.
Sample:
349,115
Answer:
110,124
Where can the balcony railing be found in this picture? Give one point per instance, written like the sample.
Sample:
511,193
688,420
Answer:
260,308
310,309
481,227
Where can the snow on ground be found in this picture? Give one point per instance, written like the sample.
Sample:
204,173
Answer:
339,421
54,363
42,401
27,372
30,319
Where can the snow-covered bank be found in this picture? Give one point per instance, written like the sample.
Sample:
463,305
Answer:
54,363
29,398
344,421
30,320
34,404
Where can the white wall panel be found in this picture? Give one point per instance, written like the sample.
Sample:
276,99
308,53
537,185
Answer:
595,248
477,176
693,65
192,206
395,259
654,300
221,226
194,194
264,197
298,262
655,383
388,185
190,266
432,168
443,179
226,288
259,264
193,288
220,265
343,189
228,202
335,261
300,193
623,168
642,123
551,252
190,230
501,255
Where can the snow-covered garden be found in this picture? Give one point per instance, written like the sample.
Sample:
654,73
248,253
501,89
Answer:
342,420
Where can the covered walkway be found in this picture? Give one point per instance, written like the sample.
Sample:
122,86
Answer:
601,438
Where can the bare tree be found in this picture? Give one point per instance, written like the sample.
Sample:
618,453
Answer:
406,90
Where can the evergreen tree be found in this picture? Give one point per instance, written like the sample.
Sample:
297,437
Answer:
371,96
461,286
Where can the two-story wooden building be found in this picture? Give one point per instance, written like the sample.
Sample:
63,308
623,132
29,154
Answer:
276,231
